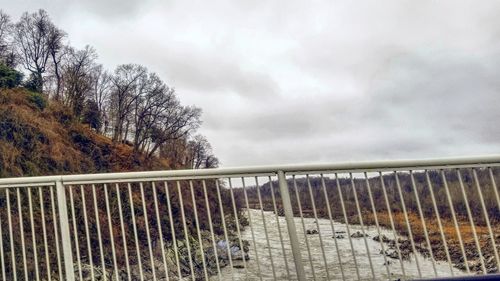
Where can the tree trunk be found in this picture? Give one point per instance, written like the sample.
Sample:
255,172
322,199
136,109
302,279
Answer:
58,78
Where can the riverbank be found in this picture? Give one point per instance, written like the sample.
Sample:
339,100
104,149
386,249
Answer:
216,259
474,261
437,245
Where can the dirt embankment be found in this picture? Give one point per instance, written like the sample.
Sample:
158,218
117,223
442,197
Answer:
37,138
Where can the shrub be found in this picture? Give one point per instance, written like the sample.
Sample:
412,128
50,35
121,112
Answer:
38,100
34,83
9,78
61,113
92,116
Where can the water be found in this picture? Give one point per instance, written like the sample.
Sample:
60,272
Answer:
263,268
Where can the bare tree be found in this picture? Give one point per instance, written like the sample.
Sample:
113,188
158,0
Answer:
145,106
101,93
198,148
57,51
78,77
32,37
199,153
5,25
212,162
5,28
149,109
128,82
175,151
177,122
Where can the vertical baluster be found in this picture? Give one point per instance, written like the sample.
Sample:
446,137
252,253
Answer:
391,219
211,227
21,229
195,208
99,236
110,226
318,226
160,232
44,229
75,233
12,248
362,225
172,231
87,233
408,227
122,227
374,211
455,222
148,234
334,233
251,229
471,221
221,207
339,189
426,233
266,233
186,234
436,210
136,237
238,227
33,235
2,255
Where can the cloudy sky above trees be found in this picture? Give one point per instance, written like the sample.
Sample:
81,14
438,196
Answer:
311,81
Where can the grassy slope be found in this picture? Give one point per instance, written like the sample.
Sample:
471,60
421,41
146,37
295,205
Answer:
52,141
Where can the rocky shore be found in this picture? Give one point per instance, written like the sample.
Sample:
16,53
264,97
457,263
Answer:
211,256
405,248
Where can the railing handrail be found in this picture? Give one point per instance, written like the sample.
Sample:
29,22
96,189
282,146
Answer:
61,184
414,164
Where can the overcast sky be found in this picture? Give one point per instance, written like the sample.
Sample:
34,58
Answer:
311,81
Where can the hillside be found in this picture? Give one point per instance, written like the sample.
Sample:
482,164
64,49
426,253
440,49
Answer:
38,138
42,138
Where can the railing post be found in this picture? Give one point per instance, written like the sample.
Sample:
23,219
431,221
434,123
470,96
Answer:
292,231
65,236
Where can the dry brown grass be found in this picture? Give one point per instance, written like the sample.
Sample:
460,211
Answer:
53,141
432,226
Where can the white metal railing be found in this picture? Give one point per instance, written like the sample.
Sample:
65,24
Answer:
408,219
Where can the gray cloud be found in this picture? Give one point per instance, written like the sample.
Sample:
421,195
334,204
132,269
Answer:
323,81
204,74
110,9
107,9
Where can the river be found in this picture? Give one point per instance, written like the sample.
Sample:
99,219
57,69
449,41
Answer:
254,270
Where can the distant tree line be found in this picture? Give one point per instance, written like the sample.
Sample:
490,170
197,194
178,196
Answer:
130,104
409,192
